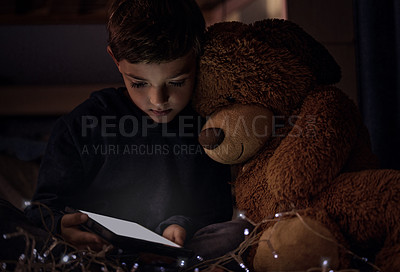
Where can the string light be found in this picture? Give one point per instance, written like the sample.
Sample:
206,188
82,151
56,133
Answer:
38,262
242,265
182,262
65,259
325,265
22,257
135,267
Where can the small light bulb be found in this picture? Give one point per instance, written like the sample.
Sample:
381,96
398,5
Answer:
27,203
182,263
325,263
275,255
198,257
246,231
277,215
242,265
65,259
196,270
41,259
242,215
22,257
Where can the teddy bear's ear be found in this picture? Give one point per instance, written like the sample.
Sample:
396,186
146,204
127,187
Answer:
285,34
226,31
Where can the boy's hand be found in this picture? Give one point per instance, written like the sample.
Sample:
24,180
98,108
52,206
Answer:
81,239
175,233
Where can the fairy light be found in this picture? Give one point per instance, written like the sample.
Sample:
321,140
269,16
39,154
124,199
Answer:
41,259
38,261
242,215
65,259
325,265
182,262
22,257
27,203
242,265
135,267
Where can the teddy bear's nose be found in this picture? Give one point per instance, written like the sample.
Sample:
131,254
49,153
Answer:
211,138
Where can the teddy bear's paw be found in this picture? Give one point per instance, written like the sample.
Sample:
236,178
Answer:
290,245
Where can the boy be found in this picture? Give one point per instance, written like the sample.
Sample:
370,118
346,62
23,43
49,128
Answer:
132,153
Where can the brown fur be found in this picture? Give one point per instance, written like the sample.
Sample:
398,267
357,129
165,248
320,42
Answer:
319,158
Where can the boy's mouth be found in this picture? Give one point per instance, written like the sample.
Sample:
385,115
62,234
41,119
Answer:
161,113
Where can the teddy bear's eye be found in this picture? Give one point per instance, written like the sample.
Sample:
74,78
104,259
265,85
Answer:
230,99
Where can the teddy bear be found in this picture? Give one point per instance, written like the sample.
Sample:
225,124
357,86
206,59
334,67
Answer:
304,169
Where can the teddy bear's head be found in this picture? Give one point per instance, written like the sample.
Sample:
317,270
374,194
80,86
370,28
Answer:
267,68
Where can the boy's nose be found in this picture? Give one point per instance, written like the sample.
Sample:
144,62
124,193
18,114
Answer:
158,96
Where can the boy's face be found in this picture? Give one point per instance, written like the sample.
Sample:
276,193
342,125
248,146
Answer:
161,90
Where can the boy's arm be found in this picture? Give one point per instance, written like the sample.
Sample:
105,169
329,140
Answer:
61,174
194,223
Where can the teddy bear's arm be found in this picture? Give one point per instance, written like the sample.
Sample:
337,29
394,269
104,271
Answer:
317,146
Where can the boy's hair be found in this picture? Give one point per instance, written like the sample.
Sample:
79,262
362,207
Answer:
154,31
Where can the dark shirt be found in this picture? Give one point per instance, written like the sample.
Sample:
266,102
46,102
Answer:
108,157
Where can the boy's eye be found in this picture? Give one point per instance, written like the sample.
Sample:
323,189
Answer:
177,83
138,84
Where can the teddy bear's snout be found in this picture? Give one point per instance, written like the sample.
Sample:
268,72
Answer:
211,138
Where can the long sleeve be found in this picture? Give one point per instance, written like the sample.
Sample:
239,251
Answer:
61,174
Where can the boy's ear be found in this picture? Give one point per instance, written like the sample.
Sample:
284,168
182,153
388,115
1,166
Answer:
112,56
